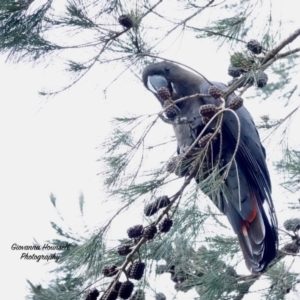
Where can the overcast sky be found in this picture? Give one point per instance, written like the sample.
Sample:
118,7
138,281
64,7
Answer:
50,146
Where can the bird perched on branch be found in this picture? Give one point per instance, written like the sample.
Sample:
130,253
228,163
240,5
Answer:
237,151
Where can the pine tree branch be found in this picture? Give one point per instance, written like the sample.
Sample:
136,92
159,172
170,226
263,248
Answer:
144,240
272,53
269,59
107,43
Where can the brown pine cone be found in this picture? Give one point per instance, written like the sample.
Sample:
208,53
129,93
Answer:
125,21
164,94
162,201
165,225
236,103
291,247
204,140
92,295
135,231
215,92
126,289
109,270
254,46
208,110
170,112
149,232
178,166
150,209
234,71
292,224
124,250
137,270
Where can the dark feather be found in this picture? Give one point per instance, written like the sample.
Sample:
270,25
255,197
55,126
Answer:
248,183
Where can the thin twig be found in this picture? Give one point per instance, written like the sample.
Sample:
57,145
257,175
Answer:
216,33
282,121
283,55
237,142
183,22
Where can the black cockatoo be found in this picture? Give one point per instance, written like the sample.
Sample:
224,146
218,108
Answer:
247,202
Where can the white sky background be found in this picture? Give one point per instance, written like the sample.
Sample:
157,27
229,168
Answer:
50,146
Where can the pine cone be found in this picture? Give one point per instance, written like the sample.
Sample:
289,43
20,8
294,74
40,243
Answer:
109,270
160,296
110,295
126,289
162,201
137,270
124,250
171,112
254,46
92,295
135,231
262,79
234,71
138,295
291,247
208,110
215,92
177,165
125,21
292,224
164,93
236,103
165,225
204,140
182,168
149,232
150,209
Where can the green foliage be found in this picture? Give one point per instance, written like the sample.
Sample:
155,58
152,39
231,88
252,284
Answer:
228,28
67,287
21,32
290,166
77,15
282,281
